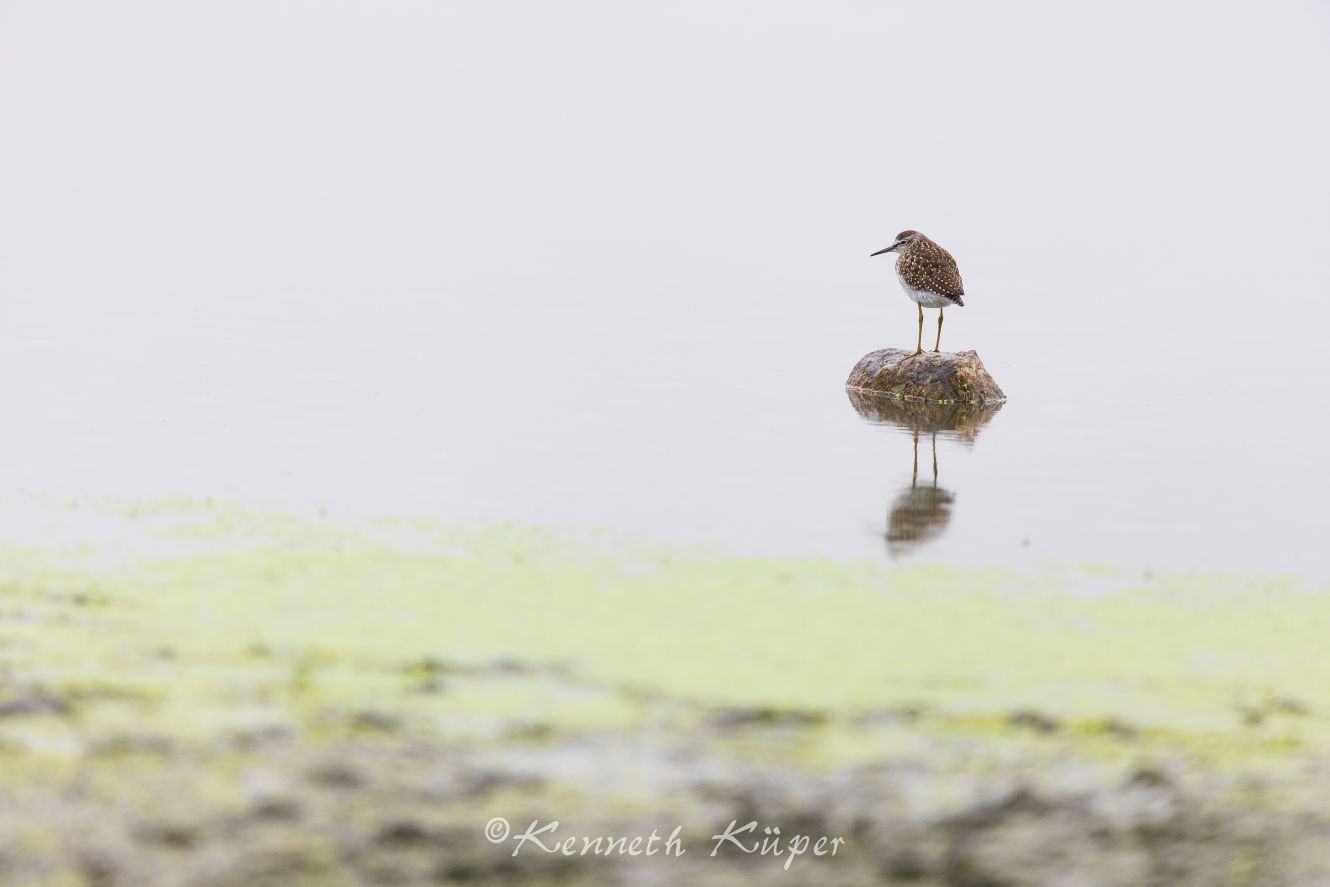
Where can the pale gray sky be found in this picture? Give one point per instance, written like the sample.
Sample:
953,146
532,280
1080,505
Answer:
414,237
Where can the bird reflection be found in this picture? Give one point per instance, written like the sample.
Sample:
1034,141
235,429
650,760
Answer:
921,512
918,514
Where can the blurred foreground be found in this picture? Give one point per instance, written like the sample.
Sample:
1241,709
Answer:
205,694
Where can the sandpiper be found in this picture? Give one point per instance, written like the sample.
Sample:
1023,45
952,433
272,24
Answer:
929,275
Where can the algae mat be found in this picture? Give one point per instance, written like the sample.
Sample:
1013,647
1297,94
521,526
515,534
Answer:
210,694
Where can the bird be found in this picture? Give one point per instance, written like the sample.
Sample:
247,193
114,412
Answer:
929,276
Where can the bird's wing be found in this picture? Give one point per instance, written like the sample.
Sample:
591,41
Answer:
944,277
930,267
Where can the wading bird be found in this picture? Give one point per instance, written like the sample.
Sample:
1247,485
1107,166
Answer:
929,276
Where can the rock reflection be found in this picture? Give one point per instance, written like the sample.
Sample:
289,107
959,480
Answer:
959,421
921,512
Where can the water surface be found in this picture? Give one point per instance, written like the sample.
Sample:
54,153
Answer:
608,268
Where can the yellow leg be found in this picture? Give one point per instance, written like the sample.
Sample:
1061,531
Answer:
919,346
934,460
915,477
939,331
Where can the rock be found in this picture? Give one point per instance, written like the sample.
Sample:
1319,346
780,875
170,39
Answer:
949,376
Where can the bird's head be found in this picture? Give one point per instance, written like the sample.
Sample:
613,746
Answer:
903,239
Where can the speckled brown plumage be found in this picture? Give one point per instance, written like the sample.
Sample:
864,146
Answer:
926,266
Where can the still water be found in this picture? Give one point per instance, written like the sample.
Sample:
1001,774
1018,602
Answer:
608,268
749,441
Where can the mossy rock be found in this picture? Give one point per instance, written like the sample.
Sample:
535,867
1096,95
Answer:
936,377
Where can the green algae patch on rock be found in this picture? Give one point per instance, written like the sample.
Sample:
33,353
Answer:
937,377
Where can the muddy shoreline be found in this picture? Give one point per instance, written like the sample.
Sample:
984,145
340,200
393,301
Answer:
261,700
388,803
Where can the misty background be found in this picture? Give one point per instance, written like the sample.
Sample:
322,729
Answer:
606,265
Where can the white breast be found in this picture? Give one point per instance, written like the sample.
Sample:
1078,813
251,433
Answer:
924,297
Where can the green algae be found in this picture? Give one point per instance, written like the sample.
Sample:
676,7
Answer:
292,617
231,641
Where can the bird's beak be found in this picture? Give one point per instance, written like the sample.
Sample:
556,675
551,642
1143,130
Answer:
881,251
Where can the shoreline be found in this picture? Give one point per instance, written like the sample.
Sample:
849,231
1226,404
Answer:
269,699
